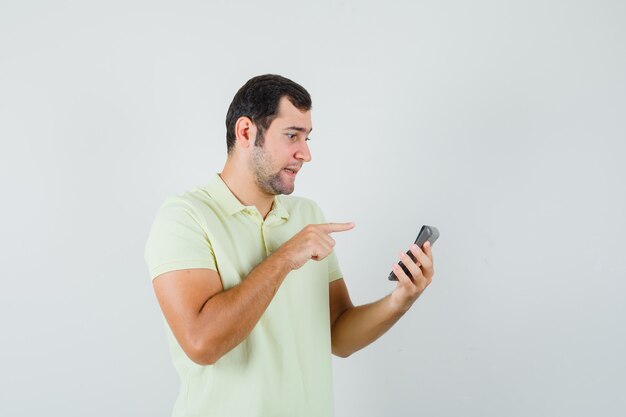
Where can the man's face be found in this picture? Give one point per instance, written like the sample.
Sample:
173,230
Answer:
284,151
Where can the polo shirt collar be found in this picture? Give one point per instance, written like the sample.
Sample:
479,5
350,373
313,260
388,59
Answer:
279,209
220,192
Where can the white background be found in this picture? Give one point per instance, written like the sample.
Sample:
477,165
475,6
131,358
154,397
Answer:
500,122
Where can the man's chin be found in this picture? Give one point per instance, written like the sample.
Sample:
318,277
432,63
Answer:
278,187
284,189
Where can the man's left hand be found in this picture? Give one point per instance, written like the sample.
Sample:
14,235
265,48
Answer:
422,271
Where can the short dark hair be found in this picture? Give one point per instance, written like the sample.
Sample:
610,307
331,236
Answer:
258,99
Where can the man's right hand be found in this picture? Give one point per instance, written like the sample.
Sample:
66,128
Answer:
312,242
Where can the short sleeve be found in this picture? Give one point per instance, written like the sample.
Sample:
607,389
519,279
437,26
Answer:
334,273
177,240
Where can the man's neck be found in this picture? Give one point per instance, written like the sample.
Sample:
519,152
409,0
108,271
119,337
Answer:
242,184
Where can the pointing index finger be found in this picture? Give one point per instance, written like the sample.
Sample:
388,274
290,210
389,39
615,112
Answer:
337,227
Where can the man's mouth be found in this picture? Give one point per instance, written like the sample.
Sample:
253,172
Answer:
291,171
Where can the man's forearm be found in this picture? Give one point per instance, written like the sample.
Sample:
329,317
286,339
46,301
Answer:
227,318
359,326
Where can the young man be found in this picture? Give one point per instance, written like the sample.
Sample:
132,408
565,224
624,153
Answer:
247,278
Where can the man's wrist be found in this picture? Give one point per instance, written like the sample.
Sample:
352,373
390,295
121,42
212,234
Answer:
282,261
398,303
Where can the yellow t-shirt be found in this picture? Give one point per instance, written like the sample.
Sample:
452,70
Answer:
283,368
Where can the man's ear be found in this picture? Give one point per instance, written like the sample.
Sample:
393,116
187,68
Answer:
245,132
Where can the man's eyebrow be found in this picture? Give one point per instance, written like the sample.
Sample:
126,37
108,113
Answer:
298,129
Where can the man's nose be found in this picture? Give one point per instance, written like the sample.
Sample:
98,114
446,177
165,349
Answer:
303,153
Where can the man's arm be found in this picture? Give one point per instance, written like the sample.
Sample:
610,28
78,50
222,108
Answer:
353,328
207,321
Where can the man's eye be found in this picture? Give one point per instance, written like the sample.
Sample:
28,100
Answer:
291,135
307,139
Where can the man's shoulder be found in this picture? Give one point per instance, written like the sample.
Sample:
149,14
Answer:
197,196
192,202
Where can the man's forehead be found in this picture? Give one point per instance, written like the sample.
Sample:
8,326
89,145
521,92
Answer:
289,116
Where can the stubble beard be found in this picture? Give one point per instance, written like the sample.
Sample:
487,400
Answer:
267,180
